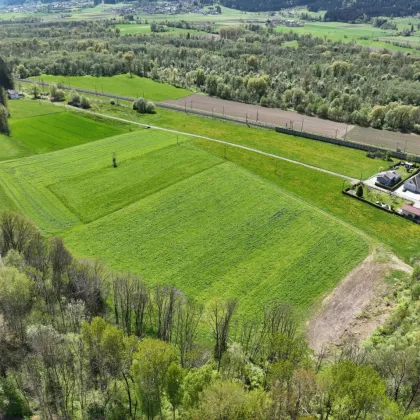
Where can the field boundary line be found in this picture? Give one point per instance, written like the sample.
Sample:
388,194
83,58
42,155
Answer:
250,149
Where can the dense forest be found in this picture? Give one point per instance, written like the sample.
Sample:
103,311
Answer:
337,10
79,341
338,81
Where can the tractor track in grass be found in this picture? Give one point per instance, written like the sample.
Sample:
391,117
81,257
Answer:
197,136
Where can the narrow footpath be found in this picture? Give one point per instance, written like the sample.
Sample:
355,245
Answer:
238,146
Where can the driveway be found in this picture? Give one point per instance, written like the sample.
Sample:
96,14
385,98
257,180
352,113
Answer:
407,195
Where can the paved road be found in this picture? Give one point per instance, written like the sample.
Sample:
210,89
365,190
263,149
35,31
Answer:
238,146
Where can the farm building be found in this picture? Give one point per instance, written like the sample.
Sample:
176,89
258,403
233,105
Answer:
413,184
388,178
12,94
411,212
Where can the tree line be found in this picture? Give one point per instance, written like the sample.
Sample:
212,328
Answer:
338,81
79,341
337,10
6,82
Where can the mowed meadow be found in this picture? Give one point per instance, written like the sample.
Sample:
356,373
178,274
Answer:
41,127
176,214
121,84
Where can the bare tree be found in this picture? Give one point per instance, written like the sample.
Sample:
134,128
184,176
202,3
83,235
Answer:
87,283
141,298
60,261
187,319
165,303
221,314
16,232
131,298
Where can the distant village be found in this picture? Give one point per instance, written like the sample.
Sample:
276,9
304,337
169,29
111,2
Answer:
167,8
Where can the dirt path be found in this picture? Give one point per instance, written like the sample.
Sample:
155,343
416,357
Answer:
238,146
361,291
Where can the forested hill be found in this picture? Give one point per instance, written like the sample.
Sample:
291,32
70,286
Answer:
337,10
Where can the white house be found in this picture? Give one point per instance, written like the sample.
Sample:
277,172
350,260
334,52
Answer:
12,94
413,184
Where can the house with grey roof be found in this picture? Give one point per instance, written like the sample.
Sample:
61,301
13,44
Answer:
413,184
388,178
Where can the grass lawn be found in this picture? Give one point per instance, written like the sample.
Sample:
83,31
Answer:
224,232
176,214
10,148
121,85
342,160
132,29
324,192
374,195
40,127
25,108
27,181
363,34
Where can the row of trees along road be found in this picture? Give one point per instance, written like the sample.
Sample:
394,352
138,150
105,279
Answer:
252,64
78,341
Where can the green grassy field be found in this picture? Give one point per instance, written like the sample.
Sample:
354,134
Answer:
324,192
176,214
121,85
224,232
40,127
11,149
343,160
363,34
131,29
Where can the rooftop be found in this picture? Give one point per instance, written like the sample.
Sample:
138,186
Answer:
411,209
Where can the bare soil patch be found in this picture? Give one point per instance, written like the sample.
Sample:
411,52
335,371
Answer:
275,116
355,308
389,139
272,116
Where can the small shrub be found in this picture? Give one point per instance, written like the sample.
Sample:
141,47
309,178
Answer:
140,105
112,102
57,95
144,107
150,108
415,291
84,102
359,191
